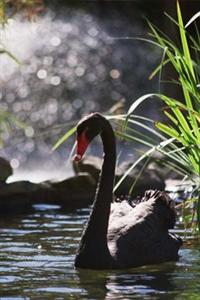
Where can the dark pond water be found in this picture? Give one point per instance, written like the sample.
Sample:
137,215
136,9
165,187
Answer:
36,262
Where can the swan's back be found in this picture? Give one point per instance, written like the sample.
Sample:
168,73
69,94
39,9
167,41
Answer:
138,234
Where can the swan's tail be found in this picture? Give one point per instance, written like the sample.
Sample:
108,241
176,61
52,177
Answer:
159,196
164,206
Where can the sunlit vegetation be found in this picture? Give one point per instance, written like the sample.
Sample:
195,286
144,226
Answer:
29,8
8,9
178,137
7,123
179,134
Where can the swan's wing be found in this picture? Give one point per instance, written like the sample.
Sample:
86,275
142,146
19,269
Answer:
139,237
119,209
126,220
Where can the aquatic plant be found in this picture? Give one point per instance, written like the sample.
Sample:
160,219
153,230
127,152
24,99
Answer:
8,9
178,137
7,124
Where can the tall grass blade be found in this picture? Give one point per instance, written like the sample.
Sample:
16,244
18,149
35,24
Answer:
197,15
184,39
64,138
12,56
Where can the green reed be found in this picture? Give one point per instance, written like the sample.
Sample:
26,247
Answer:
178,137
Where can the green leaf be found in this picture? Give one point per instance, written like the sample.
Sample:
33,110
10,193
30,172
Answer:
168,130
64,138
138,102
133,166
158,68
184,39
4,51
170,117
197,15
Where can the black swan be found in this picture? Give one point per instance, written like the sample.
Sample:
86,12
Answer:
122,235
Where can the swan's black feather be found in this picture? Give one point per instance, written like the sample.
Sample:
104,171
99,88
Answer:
121,232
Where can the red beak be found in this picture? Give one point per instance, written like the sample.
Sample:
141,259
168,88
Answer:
82,144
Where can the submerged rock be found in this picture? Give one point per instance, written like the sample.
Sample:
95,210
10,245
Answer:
5,169
74,192
77,191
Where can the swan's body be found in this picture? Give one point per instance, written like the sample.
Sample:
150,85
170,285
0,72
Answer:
122,235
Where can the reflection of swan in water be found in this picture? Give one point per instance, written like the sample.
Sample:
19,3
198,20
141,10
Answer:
136,235
138,282
145,282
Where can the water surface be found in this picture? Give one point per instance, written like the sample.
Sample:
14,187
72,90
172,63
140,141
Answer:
36,262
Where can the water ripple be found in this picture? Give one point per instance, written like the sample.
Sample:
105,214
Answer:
38,261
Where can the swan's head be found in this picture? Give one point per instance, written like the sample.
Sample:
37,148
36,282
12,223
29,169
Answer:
89,127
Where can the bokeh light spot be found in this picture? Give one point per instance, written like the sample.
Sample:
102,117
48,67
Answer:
55,41
14,163
80,71
42,74
55,80
29,131
114,73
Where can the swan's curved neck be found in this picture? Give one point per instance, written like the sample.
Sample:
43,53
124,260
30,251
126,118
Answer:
93,251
